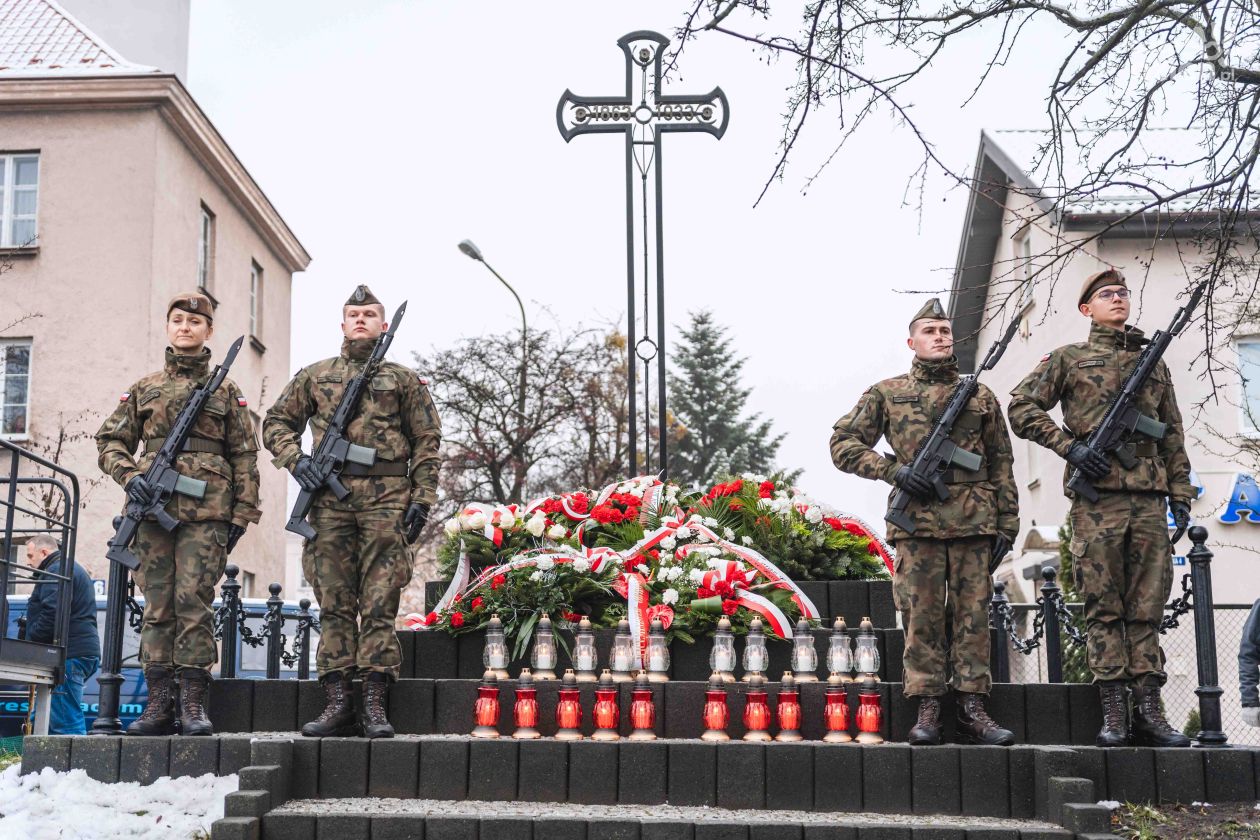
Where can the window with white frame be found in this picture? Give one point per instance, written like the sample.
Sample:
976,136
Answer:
1249,370
15,382
255,299
205,251
19,199
1024,266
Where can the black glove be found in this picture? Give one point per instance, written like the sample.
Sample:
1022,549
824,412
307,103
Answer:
235,532
1089,461
414,519
139,491
914,484
1001,548
1181,517
304,472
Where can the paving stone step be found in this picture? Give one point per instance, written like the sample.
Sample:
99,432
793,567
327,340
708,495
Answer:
143,760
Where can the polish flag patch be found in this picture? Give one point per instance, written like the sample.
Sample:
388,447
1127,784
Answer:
1046,357
241,402
423,381
126,396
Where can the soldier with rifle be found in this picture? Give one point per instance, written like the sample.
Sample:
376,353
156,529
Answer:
1126,469
953,516
191,496
365,495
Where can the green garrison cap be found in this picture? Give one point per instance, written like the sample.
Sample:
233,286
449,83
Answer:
1099,280
931,310
362,297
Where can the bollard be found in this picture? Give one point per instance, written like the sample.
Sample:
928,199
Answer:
274,631
1209,691
304,639
110,679
231,593
999,647
1050,595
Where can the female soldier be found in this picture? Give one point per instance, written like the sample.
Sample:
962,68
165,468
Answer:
179,569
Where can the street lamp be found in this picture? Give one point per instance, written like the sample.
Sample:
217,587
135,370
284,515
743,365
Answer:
471,251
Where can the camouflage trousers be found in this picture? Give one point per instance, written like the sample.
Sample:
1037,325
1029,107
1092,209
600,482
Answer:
357,564
178,572
942,588
1122,567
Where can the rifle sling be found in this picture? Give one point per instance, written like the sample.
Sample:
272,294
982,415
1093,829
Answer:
380,468
193,444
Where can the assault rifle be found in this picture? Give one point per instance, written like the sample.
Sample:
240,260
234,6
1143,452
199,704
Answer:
162,476
936,452
333,451
1123,419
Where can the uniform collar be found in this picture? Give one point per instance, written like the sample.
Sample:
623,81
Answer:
193,367
1129,338
946,370
357,349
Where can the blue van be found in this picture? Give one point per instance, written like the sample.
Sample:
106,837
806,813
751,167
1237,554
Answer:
251,663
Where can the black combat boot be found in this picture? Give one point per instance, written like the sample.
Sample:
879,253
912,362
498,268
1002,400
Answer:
976,727
1150,727
158,717
194,685
1115,707
337,719
927,730
375,698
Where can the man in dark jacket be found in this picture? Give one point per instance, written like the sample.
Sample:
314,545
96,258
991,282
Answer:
83,647
1249,667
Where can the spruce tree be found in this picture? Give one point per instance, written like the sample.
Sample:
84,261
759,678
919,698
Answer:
707,402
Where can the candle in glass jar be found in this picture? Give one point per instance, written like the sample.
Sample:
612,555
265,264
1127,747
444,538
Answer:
723,661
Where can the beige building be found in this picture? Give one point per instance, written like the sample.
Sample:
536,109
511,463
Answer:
999,250
116,193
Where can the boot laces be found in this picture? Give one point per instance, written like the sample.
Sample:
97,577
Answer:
929,712
159,699
335,690
1113,707
373,702
974,709
193,698
1149,707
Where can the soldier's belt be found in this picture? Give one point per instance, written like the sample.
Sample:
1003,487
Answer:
955,476
1146,449
193,444
380,468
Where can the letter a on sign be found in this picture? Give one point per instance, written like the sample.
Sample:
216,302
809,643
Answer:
1243,499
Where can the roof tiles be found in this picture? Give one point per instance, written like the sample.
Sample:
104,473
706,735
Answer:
39,38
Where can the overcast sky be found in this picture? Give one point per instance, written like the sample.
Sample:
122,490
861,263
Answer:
385,132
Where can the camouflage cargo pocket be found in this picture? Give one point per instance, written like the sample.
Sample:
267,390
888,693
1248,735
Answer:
1079,549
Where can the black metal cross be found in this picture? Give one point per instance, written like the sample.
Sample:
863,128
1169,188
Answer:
643,114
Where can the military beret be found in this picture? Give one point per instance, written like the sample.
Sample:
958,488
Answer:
194,303
932,310
1096,281
362,297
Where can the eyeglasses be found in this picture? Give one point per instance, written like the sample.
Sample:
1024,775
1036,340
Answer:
1108,294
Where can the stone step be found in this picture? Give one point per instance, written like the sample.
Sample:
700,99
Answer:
143,760
436,654
370,819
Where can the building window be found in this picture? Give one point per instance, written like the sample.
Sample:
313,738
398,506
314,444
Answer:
205,252
19,199
1249,370
15,380
1023,270
255,299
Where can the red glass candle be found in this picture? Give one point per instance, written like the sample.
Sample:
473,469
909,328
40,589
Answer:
836,712
756,710
569,709
607,714
525,710
486,709
789,710
716,715
869,714
642,710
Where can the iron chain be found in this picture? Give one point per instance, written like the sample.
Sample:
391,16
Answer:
1178,606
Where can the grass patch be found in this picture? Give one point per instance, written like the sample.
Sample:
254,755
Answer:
8,759
1227,821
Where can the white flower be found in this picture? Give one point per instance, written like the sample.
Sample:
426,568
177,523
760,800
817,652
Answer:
671,572
669,543
669,596
546,564
556,532
710,521
581,565
683,533
813,514
746,540
701,536
728,533
477,521
641,569
451,527
769,503
506,519
536,575
536,524
696,575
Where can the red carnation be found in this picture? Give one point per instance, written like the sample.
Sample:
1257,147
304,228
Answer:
457,619
872,548
836,524
766,489
477,602
430,619
579,503
497,581
571,616
724,588
704,592
855,529
728,607
736,505
735,486
606,514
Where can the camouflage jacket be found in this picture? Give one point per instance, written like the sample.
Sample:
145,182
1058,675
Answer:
396,417
147,411
902,410
1084,377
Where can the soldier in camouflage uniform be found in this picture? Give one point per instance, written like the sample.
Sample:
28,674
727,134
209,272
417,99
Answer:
179,569
944,567
360,559
1120,552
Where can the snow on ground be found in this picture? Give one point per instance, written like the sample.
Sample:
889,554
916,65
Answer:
70,806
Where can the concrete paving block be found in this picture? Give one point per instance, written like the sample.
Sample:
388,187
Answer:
985,783
1230,775
1085,718
850,599
693,773
1049,762
506,828
838,776
247,803
453,707
895,651
343,827
1179,775
885,769
774,831
665,830
407,646
450,828
689,661
937,832
1131,774
1087,818
394,768
310,703
936,785
437,655
144,760
233,753
230,705
1045,718
411,707
1006,706
992,833
492,769
884,832
882,612
468,650
98,757
289,826
829,832
592,780
741,775
277,752
267,779
394,827
304,782
343,768
40,751
444,770
1064,790
643,777
684,707
1045,834
1091,763
604,829
235,828
790,776
721,830
1022,775
558,829
813,700
544,771
194,756
275,706
818,592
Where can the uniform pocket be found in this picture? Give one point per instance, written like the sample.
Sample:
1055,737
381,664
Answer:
1079,549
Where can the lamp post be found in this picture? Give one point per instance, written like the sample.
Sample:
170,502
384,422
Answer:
471,251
